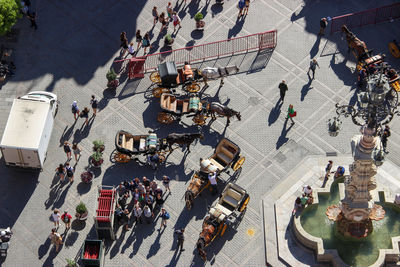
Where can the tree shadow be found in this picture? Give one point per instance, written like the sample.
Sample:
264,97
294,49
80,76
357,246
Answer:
304,90
275,112
315,48
283,139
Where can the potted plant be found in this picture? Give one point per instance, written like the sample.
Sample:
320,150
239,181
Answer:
168,40
87,177
71,263
112,79
97,159
98,145
199,21
81,212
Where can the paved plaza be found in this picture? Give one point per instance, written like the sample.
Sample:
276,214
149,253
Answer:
70,53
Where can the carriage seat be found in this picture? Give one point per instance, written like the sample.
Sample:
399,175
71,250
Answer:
128,143
219,212
224,154
210,165
232,197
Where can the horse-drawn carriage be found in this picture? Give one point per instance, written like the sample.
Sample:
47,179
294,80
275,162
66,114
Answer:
174,108
169,76
226,155
232,203
130,146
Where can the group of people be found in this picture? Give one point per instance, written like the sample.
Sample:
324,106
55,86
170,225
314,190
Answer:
56,238
305,199
147,200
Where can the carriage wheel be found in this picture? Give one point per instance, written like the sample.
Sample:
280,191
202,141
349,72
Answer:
155,77
244,205
165,118
223,229
158,91
121,158
394,50
193,87
199,119
239,163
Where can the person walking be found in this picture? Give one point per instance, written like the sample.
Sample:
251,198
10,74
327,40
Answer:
138,39
32,18
124,43
85,114
322,23
55,238
125,219
137,212
384,137
246,7
176,20
154,12
313,66
66,218
148,214
60,171
169,10
146,42
291,113
328,169
95,103
164,215
131,49
163,21
166,180
181,238
75,109
212,177
282,89
77,151
56,217
70,172
153,159
67,149
241,6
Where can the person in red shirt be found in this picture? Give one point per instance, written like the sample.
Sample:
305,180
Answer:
66,218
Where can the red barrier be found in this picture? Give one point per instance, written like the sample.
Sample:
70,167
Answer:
197,53
371,16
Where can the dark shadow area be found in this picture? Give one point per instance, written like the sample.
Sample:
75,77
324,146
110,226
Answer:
83,188
197,34
216,8
129,88
236,28
155,247
314,50
275,112
78,225
107,95
138,236
342,71
52,255
282,138
261,60
57,195
67,133
42,250
71,238
304,90
83,132
175,258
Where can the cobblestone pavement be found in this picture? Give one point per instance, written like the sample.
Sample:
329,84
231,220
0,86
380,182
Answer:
70,54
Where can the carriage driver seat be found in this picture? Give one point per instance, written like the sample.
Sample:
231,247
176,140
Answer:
208,166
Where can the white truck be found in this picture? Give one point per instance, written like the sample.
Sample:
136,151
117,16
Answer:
28,130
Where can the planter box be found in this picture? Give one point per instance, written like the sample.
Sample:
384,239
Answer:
92,252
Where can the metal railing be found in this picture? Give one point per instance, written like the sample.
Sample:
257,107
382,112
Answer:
371,16
197,53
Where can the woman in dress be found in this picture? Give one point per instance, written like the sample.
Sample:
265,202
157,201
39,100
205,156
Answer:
124,42
138,39
67,149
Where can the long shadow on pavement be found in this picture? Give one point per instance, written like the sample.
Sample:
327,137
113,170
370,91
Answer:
282,138
275,112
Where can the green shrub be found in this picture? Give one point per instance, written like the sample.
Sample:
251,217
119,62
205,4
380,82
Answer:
111,75
97,156
81,208
98,144
199,16
9,14
168,38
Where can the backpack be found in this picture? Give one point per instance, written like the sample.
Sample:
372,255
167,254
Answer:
70,172
74,109
166,216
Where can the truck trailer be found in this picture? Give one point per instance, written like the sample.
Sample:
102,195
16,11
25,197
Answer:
28,130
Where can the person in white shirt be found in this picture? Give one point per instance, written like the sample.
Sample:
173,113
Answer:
131,49
212,177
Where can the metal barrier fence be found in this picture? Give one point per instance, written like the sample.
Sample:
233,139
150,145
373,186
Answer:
259,41
371,16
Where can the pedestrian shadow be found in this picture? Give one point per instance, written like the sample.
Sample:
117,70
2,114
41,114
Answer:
307,87
354,98
236,29
315,48
275,112
67,133
56,200
107,95
216,8
52,255
42,250
83,132
115,249
283,139
155,247
175,258
71,239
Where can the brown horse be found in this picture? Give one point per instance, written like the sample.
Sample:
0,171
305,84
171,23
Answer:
217,108
356,45
206,236
183,139
197,184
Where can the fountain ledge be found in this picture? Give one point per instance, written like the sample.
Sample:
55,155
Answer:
331,255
